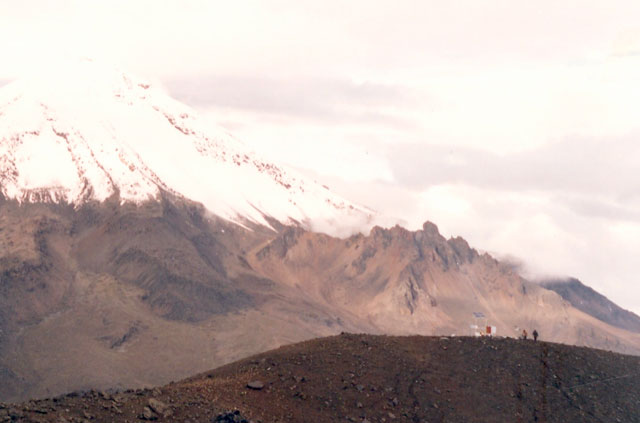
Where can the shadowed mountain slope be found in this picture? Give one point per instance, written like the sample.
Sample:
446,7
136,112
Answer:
593,303
110,295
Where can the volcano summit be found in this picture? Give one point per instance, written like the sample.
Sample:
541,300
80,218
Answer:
86,132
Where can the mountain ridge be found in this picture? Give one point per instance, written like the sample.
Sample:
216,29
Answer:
593,303
117,295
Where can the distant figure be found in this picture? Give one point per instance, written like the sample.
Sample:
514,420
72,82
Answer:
535,335
524,334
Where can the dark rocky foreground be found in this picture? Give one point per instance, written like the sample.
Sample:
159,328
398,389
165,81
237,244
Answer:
364,378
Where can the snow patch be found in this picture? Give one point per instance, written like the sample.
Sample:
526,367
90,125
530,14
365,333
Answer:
85,132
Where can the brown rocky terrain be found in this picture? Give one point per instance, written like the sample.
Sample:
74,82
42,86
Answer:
117,296
86,295
364,378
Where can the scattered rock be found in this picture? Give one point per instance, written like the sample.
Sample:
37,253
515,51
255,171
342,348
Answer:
159,407
255,385
15,414
148,414
230,417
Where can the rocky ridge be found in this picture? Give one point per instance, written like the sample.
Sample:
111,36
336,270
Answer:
363,378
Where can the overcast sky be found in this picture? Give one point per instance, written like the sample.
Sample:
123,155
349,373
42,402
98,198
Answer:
514,124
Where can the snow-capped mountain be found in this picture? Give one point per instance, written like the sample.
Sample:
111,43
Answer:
102,296
87,132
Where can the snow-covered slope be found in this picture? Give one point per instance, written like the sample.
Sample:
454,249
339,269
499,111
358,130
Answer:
86,132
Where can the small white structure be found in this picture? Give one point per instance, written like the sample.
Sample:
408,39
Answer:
481,327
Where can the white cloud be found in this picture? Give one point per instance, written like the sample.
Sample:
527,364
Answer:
319,146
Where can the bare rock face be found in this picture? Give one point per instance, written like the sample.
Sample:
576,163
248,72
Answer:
419,282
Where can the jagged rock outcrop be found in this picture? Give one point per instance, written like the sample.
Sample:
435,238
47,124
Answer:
420,282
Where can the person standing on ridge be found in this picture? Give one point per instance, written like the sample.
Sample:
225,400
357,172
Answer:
535,335
524,334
